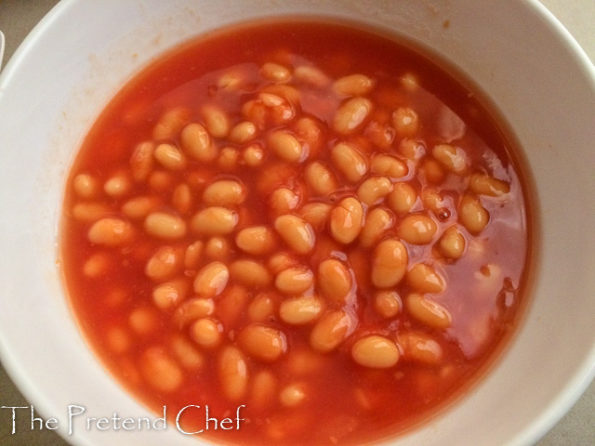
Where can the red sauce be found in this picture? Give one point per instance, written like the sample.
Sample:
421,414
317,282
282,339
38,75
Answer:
344,402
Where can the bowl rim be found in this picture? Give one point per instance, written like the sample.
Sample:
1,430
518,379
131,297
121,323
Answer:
545,419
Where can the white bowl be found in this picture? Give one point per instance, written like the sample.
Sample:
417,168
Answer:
82,52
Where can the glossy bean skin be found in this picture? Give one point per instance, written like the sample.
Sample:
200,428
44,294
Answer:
351,115
111,232
262,342
473,216
214,220
375,352
330,331
211,280
349,161
300,310
297,233
334,280
233,373
427,311
389,263
417,229
346,220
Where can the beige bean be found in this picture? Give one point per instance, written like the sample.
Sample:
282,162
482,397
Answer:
402,198
308,74
224,193
432,170
170,123
293,395
405,121
211,280
90,212
170,157
165,226
452,243
139,207
197,143
262,342
264,388
193,254
187,354
261,308
427,311
182,198
290,94
169,294
351,115
419,347
297,233
286,146
233,373
97,265
275,72
216,120
214,220
483,184
160,370
118,340
206,333
280,262
243,132
380,135
310,132
143,321
193,309
412,149
294,280
452,158
334,280
417,229
374,189
117,185
256,240
316,214
228,159
231,81
375,352
389,263
253,155
303,361
387,303
111,232
300,310
85,185
346,220
330,331
320,179
353,85
472,215
389,166
349,161
425,279
141,161
218,248
378,221
161,181
283,200
250,273
410,82
164,263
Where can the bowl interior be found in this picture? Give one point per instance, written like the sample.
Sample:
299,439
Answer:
540,82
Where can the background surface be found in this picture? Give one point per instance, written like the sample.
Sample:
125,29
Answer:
18,17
